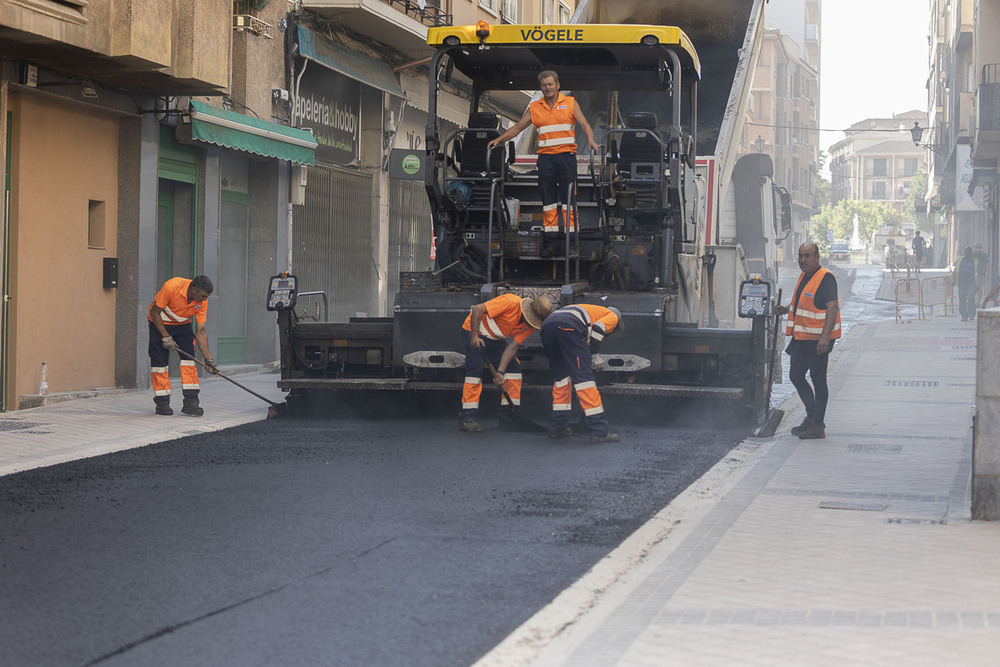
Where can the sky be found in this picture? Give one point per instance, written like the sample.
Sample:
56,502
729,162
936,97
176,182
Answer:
873,61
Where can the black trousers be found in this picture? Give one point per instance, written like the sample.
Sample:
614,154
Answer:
814,397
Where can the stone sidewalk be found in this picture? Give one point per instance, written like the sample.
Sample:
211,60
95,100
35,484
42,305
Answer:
856,549
111,422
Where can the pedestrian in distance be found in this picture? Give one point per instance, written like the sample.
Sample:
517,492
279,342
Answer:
814,325
982,269
919,244
170,315
555,115
965,276
572,337
497,327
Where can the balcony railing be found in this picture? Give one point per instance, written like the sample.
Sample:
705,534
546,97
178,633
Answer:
430,14
989,99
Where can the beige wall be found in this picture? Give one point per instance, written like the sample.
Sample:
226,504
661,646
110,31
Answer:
64,157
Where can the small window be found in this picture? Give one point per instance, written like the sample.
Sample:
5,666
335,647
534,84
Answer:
880,167
878,190
564,13
69,10
548,11
910,166
96,224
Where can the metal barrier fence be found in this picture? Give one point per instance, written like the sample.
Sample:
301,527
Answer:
925,293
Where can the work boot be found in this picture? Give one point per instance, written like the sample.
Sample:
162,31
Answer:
812,432
164,409
471,427
806,423
192,408
608,437
552,250
561,432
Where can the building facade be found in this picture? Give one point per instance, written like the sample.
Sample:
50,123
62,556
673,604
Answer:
877,160
961,138
232,139
784,116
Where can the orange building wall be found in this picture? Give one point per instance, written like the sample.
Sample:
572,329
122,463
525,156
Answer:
63,157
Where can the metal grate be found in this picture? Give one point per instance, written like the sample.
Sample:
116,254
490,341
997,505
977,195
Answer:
875,449
13,425
860,507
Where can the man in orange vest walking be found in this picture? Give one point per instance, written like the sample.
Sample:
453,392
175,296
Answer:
814,325
556,117
486,331
170,314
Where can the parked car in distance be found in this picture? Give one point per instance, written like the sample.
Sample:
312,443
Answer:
840,252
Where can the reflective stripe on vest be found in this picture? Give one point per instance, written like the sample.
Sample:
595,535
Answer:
806,321
556,125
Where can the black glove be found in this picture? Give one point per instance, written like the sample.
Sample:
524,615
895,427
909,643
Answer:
211,367
169,344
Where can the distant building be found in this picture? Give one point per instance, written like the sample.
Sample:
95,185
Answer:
877,160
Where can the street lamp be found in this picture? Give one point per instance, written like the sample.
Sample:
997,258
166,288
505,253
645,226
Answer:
916,132
759,144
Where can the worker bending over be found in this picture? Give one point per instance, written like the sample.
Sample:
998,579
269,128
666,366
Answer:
571,335
170,315
508,316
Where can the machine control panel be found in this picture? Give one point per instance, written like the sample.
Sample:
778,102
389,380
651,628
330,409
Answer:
755,298
282,292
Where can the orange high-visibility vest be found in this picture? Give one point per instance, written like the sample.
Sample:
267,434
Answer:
502,320
556,125
599,320
172,298
805,321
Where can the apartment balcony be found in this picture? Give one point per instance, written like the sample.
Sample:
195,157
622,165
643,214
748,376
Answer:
400,23
146,46
986,143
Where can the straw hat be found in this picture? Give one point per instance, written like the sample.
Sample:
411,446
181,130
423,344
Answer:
535,310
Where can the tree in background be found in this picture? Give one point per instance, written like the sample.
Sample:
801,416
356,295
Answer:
918,187
839,219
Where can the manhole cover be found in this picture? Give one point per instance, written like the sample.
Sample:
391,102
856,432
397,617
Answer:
13,425
875,449
859,507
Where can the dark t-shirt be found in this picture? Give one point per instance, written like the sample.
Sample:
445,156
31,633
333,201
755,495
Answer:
918,245
825,293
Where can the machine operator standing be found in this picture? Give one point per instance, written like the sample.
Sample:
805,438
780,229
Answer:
814,325
556,116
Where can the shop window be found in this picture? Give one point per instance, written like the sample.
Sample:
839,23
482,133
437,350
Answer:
96,224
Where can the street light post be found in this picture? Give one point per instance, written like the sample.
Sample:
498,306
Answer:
759,143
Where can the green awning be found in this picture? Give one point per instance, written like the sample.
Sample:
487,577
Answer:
253,135
352,64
